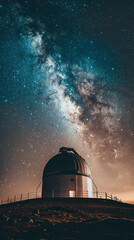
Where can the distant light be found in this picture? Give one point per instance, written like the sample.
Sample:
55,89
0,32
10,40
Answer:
71,193
113,68
5,100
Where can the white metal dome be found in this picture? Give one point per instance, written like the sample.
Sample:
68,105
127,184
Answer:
67,175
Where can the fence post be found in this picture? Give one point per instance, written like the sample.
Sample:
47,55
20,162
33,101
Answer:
105,195
21,197
111,197
15,198
96,194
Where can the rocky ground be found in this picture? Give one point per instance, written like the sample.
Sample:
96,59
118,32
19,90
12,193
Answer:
34,219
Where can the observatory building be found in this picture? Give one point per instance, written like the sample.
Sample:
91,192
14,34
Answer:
67,175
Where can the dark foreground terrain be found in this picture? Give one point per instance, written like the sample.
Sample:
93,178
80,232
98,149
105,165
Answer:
67,219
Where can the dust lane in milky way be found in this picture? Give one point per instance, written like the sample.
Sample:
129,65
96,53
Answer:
66,79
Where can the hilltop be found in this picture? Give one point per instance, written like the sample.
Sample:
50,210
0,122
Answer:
99,219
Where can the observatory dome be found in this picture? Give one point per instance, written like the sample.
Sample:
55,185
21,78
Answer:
67,175
67,162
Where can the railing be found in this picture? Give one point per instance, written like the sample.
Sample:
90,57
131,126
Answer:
34,195
97,194
21,197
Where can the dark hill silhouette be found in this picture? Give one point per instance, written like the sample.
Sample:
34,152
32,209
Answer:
67,219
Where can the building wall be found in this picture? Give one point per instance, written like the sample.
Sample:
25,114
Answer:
67,185
84,186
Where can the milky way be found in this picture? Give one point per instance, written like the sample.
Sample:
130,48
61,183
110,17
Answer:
66,80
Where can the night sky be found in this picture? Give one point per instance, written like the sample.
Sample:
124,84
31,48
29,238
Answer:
67,79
